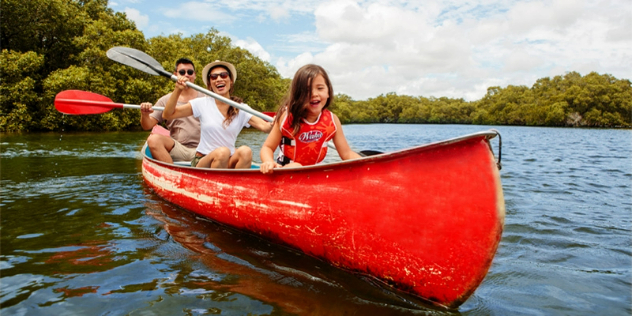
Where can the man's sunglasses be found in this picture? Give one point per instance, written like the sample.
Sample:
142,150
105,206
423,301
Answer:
224,75
188,71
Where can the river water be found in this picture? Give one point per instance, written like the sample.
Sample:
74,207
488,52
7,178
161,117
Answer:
82,235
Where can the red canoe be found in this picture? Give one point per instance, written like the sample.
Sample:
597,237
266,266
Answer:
424,221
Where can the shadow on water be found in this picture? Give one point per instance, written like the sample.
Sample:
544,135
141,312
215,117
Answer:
291,282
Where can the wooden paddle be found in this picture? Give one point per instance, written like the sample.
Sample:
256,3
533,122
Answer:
77,102
143,62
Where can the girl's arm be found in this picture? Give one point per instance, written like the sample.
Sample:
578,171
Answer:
340,141
260,124
171,111
267,149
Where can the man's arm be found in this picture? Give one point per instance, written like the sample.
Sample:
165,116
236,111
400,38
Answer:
146,121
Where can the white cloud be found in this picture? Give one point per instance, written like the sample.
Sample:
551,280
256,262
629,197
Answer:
459,48
453,48
269,6
116,3
521,60
287,68
138,18
199,11
278,13
254,47
277,10
554,16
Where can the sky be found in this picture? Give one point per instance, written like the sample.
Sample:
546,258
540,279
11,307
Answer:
430,48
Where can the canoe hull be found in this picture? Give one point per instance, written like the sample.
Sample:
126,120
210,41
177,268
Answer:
425,221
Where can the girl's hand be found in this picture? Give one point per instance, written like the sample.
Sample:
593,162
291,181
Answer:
181,84
268,166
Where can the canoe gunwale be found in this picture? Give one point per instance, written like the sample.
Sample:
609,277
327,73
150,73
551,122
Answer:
490,134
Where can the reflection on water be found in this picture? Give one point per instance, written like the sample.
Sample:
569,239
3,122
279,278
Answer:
287,281
82,235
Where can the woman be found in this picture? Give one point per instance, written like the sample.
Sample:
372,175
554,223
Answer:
220,122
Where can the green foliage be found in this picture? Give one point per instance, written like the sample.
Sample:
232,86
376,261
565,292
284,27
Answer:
81,78
342,106
19,99
258,83
71,37
569,100
55,45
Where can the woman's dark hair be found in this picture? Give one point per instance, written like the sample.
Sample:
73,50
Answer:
301,92
232,111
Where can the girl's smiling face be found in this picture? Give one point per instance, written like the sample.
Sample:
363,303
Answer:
318,98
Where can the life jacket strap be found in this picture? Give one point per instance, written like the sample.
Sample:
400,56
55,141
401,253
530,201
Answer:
282,160
287,141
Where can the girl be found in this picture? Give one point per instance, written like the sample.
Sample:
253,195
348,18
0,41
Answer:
303,125
220,123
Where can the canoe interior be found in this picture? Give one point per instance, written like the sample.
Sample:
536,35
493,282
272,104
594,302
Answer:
147,153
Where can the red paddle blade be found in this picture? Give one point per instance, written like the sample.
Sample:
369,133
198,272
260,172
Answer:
77,102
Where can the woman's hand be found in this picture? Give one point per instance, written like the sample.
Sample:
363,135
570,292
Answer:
260,124
267,167
181,84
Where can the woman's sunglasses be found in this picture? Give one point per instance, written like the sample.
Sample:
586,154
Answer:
224,75
188,71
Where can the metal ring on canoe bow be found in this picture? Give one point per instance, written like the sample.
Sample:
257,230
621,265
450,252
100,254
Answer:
500,145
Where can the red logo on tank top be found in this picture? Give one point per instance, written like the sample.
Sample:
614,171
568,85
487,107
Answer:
310,136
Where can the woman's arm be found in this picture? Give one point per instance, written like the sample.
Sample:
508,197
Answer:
267,150
260,124
171,111
344,151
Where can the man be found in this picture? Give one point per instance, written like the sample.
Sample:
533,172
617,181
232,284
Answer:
185,132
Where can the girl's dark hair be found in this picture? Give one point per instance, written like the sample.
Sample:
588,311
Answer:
232,111
301,92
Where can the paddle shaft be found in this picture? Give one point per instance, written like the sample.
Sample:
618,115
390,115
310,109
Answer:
106,104
241,106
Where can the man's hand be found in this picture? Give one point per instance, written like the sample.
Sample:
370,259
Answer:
145,108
